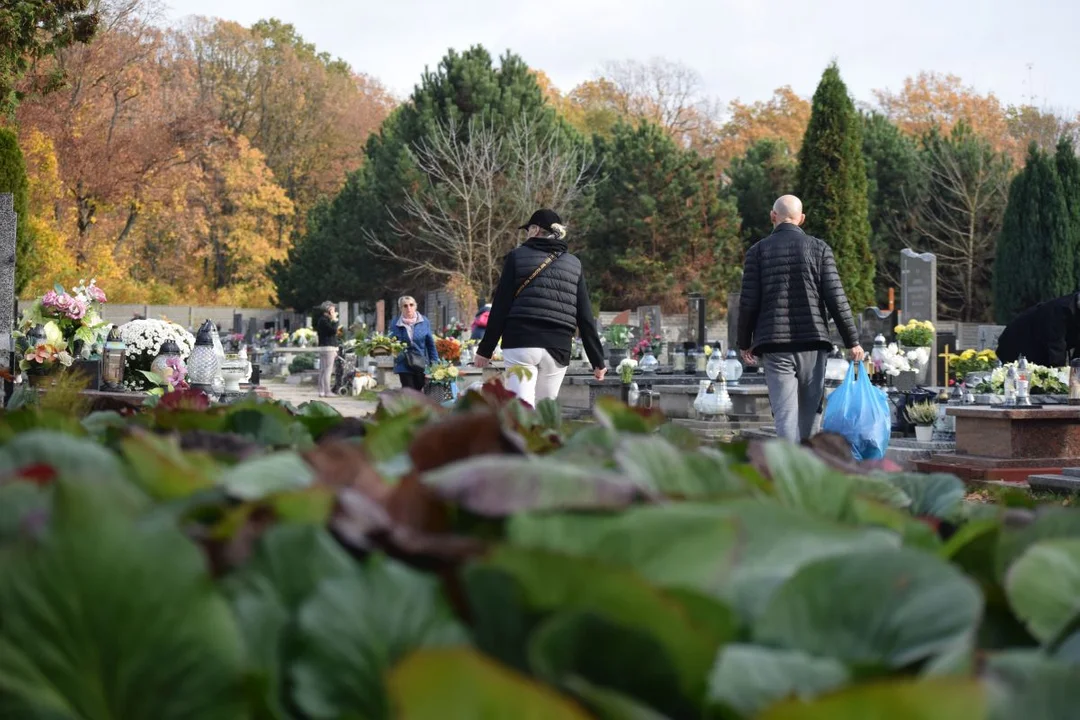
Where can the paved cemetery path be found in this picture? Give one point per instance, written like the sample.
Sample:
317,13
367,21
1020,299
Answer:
299,394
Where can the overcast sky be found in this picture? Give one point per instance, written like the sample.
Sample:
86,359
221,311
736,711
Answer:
742,48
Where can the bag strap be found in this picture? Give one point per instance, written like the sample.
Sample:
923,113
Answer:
547,261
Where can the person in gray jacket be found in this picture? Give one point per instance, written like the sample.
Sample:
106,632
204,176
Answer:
790,288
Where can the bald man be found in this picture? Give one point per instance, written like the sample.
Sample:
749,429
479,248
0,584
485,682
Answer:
790,288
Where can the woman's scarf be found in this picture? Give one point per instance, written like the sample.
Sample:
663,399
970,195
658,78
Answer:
408,324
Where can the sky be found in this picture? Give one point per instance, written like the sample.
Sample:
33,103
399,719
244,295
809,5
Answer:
1024,51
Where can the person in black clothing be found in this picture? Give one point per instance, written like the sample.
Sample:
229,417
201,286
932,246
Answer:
326,327
790,288
1045,334
540,301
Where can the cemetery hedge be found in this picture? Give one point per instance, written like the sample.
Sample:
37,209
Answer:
489,561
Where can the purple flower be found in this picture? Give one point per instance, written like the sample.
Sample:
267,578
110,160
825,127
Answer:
77,310
63,302
49,299
179,370
96,294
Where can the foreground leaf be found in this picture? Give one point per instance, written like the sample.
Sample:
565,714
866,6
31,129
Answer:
1028,685
552,582
656,464
940,699
110,620
803,481
1043,586
461,683
750,678
264,476
882,608
738,551
504,485
936,495
355,628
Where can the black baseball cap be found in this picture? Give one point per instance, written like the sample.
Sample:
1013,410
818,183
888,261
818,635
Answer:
543,218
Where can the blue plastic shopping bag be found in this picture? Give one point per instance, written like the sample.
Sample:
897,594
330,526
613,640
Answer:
860,412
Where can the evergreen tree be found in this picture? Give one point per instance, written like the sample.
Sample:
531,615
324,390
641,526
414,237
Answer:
764,173
13,180
1068,170
895,183
1034,260
658,227
831,181
336,258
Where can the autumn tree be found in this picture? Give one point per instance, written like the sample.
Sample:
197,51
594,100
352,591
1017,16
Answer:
1035,260
831,181
1068,169
783,117
13,180
958,217
896,182
658,227
306,112
31,30
764,173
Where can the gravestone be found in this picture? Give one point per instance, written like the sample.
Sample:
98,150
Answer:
918,292
651,315
380,316
918,286
249,337
874,322
988,336
7,287
237,324
733,319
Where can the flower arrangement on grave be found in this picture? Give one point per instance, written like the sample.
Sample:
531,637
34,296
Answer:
970,361
442,373
626,369
455,329
379,344
618,337
448,348
650,342
234,341
1044,381
45,356
922,413
894,362
915,333
302,337
76,315
173,379
144,339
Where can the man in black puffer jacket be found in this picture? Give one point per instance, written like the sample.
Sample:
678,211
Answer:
540,302
790,287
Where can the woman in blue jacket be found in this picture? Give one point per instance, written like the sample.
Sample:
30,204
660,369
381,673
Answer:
413,329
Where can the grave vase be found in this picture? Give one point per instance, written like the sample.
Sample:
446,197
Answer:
921,368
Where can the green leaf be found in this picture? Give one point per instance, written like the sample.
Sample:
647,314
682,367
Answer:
882,608
738,552
111,620
500,485
937,495
156,378
612,413
459,682
1043,586
163,470
266,424
21,502
803,481
1029,685
1051,523
356,628
552,582
97,424
609,704
610,655
391,436
264,476
750,678
549,413
656,464
878,489
67,455
937,699
288,564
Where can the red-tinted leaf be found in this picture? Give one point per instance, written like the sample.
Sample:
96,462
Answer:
478,432
38,473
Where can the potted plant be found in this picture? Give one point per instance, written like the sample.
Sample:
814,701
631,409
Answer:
441,381
916,340
617,338
922,415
